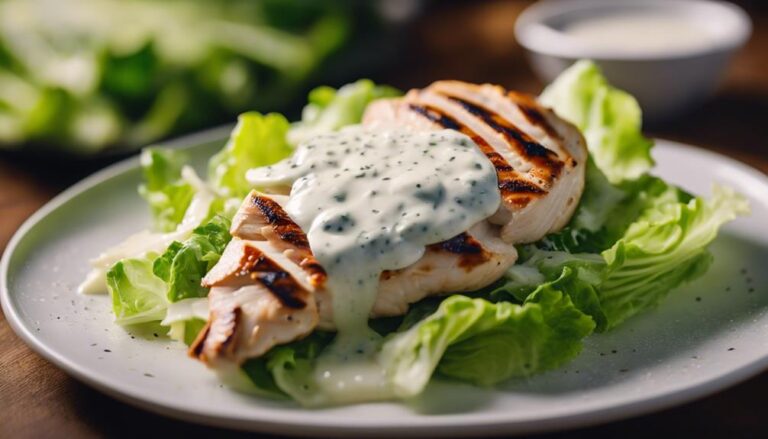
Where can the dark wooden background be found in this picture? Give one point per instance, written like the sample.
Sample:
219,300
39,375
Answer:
459,39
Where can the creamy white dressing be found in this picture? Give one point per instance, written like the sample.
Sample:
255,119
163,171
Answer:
640,32
144,242
371,201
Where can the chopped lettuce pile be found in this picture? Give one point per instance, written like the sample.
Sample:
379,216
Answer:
79,76
633,239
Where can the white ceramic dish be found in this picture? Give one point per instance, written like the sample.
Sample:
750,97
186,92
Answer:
665,82
705,337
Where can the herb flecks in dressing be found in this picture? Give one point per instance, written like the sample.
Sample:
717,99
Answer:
369,202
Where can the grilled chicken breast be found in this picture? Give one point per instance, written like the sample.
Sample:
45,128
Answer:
540,159
268,289
258,299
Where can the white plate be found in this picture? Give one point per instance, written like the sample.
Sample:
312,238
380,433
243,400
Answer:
706,336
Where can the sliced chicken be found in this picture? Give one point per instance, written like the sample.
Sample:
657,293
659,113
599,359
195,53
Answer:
466,262
540,159
261,218
258,299
268,289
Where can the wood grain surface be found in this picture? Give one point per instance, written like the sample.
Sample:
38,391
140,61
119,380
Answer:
462,40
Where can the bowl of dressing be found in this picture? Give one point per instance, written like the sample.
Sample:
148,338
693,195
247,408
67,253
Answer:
669,54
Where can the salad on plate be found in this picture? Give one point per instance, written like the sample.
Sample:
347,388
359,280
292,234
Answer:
460,231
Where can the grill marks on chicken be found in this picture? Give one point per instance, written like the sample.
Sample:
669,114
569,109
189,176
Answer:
274,216
246,264
258,298
262,218
263,288
509,180
467,250
268,289
533,113
471,252
547,164
540,160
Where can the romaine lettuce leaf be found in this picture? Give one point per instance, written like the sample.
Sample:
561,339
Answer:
257,140
329,109
183,265
166,192
138,296
598,202
483,342
142,287
664,248
610,120
606,211
577,274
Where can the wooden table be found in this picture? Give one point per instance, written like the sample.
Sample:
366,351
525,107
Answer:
463,40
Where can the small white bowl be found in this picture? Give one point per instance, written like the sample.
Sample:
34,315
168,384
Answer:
666,79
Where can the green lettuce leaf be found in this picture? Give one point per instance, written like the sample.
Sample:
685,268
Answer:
576,274
138,296
610,120
664,248
598,202
257,140
183,265
167,194
288,370
329,109
606,211
483,342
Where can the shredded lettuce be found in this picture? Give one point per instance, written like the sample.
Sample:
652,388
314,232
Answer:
183,265
257,140
610,120
167,194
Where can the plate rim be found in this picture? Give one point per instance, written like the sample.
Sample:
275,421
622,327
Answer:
453,424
